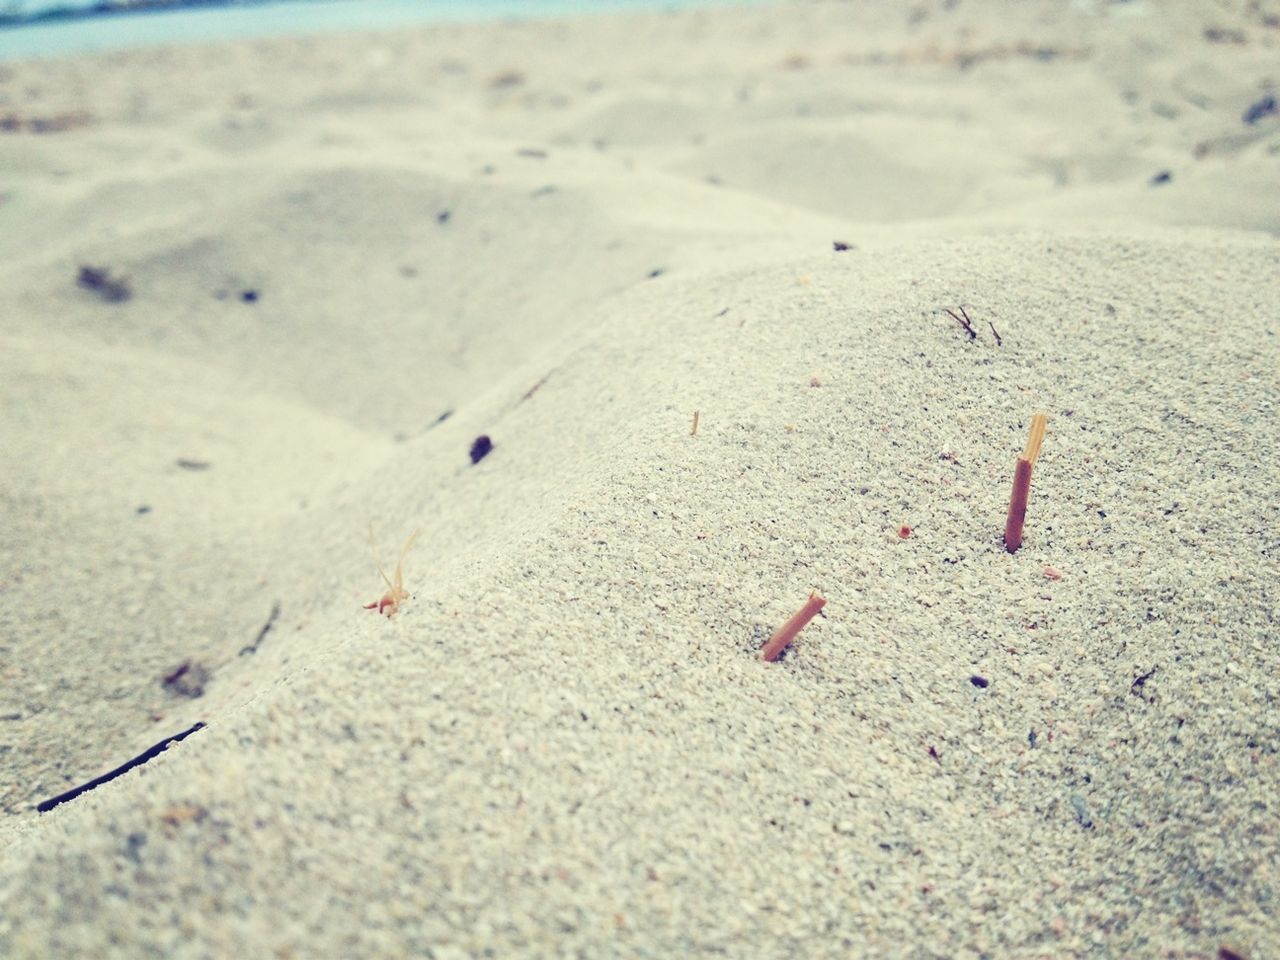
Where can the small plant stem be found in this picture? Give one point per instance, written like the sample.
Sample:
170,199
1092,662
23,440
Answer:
787,632
1032,452
1022,485
694,431
963,319
1017,505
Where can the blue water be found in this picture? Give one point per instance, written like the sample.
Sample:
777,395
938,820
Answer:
116,31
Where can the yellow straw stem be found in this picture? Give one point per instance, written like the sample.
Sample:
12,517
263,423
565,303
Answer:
1035,439
783,636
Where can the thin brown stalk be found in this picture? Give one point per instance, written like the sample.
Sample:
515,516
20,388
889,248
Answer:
963,319
1017,505
783,636
694,431
1022,485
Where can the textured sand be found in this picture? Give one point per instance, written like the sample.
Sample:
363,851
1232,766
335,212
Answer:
569,236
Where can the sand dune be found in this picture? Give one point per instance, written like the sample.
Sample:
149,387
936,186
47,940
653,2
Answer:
346,259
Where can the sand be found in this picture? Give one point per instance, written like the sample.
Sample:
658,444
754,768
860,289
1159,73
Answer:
348,258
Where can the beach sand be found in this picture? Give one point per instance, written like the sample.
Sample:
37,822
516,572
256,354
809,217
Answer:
321,269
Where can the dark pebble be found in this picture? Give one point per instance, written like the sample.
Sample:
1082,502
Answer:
480,448
1259,109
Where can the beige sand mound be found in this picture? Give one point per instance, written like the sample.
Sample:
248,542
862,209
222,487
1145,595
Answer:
348,259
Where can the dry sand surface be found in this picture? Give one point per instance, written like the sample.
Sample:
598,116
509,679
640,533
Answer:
327,266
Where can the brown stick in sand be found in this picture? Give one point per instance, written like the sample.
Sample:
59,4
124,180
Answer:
963,319
787,632
694,431
1022,485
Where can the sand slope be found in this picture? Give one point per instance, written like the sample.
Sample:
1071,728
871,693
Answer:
350,258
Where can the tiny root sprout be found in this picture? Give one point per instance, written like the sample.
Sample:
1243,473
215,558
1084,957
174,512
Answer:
396,594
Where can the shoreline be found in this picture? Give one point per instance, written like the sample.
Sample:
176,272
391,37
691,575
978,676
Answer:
69,31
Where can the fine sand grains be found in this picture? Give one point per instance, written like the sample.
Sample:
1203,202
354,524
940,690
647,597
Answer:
473,281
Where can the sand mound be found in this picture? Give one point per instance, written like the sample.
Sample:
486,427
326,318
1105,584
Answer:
319,278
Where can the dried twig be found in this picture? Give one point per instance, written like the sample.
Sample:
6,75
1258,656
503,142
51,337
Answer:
1022,485
534,389
139,760
787,632
996,333
963,319
266,628
1135,688
694,431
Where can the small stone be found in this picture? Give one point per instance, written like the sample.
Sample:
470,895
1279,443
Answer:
481,448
